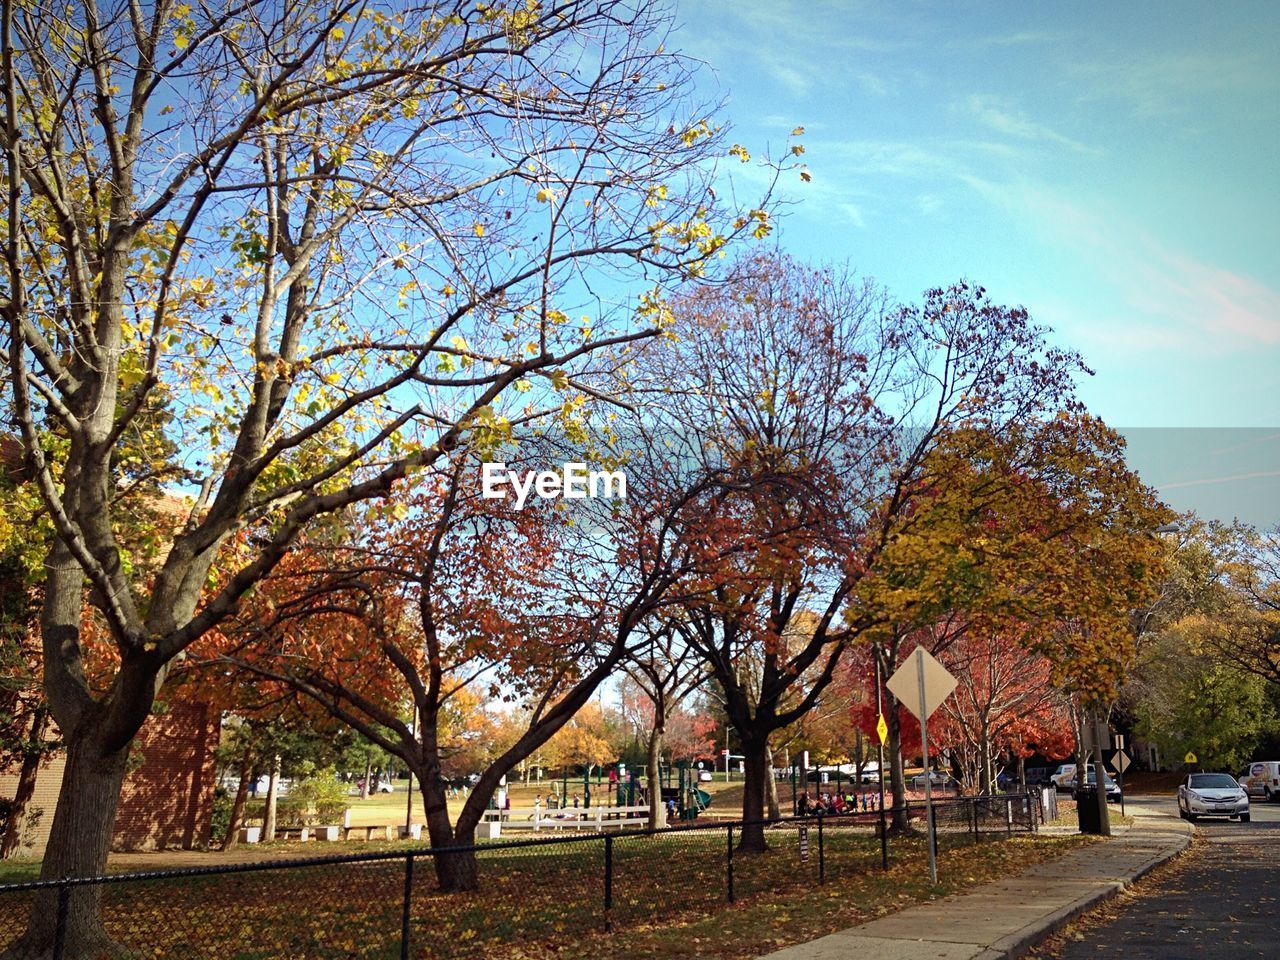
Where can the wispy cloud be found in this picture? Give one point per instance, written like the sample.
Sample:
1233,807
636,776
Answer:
1176,295
1021,38
1212,481
928,203
854,213
999,116
1169,84
873,84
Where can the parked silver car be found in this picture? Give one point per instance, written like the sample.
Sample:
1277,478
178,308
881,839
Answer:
1212,795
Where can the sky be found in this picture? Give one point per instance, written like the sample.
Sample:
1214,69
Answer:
1112,167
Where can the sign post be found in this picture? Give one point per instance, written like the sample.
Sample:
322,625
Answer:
882,729
921,684
1122,764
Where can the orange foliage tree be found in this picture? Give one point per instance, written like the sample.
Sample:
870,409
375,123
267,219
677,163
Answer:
1005,705
397,619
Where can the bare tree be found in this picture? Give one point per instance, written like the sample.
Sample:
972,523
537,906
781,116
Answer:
667,672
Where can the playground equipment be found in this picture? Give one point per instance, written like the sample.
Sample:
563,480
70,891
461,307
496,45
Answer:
690,800
623,790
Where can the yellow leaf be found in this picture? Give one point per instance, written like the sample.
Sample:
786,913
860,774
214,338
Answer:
479,229
545,195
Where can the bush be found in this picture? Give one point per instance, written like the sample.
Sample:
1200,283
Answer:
321,798
221,818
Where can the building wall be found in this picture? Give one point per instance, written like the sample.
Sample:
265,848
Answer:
166,800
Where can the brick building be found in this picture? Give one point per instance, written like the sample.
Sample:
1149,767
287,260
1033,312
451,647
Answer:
167,799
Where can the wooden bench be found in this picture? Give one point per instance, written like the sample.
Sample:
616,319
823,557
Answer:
301,834
372,831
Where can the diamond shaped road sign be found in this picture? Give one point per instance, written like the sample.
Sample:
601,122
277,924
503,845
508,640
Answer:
905,683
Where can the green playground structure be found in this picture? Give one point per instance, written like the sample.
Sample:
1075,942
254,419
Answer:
690,799
677,783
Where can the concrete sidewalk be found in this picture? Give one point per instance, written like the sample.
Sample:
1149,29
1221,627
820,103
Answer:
1007,918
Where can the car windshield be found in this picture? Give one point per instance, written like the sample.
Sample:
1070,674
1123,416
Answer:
1213,781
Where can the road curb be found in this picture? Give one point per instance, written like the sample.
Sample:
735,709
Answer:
1017,945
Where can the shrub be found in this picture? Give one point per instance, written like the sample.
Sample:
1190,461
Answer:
320,798
221,817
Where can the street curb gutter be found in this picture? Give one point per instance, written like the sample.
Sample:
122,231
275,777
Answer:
1018,944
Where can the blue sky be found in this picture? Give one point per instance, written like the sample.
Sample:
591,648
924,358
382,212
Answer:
1113,167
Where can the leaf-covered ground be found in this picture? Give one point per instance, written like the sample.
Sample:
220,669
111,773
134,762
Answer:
669,900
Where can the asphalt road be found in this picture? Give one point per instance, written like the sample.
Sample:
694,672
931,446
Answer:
1222,902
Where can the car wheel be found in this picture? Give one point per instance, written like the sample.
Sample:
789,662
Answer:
1244,818
1192,817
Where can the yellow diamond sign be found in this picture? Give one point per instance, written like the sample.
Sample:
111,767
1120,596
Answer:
882,729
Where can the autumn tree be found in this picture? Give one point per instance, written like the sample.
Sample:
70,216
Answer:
583,741
903,435
334,238
1004,705
1203,678
448,594
1193,700
1247,632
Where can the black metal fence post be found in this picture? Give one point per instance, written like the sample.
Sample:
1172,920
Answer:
931,826
822,856
973,816
608,882
405,906
729,864
60,927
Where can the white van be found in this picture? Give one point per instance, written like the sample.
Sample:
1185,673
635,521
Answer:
1262,779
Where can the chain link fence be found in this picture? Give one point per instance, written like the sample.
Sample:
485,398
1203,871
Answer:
517,895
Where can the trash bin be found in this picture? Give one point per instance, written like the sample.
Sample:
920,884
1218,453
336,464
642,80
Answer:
1087,810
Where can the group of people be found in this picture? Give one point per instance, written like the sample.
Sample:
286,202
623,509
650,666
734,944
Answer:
834,802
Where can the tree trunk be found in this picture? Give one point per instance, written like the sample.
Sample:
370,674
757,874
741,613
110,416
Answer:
752,840
771,784
237,806
984,763
897,779
269,815
455,872
653,770
368,772
31,758
78,846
